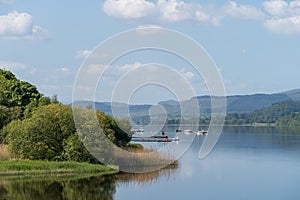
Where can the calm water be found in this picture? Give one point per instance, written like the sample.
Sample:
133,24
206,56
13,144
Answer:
247,163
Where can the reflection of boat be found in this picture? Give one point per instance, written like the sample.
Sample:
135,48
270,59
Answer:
188,131
137,130
203,132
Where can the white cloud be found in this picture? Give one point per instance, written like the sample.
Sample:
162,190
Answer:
128,9
189,75
5,1
178,10
285,16
128,67
65,70
282,8
95,69
243,11
18,68
148,29
14,26
287,25
174,10
83,54
277,7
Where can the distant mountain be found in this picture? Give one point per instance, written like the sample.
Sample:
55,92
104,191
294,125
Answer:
294,94
235,104
120,109
249,103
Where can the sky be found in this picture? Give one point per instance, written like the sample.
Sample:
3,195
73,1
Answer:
254,44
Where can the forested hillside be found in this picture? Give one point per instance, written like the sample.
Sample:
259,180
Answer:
265,115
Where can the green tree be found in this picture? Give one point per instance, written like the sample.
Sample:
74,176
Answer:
50,134
7,115
74,150
43,134
15,92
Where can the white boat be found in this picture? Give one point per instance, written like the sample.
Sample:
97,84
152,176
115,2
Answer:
188,131
137,130
203,132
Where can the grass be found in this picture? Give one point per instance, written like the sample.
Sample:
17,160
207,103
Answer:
29,167
135,158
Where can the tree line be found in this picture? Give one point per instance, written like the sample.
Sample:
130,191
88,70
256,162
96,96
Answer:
268,115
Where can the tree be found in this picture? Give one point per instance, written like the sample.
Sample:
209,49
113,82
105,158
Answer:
7,115
50,134
42,135
75,150
15,92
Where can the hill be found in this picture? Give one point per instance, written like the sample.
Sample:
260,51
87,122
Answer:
293,94
266,115
237,104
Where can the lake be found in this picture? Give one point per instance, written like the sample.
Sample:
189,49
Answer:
247,163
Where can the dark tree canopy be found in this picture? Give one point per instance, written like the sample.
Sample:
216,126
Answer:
15,92
18,99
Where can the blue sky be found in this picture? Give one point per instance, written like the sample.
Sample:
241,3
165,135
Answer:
255,44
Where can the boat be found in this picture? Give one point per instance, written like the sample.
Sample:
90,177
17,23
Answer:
202,132
188,131
137,130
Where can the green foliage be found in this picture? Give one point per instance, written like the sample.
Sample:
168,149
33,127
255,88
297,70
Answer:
134,146
6,115
18,99
290,120
15,92
50,134
34,104
75,150
265,115
41,136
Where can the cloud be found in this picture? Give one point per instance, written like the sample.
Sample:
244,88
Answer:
14,26
128,9
243,11
148,29
128,67
284,16
64,70
189,75
287,25
18,68
174,10
5,1
278,16
280,8
178,10
83,54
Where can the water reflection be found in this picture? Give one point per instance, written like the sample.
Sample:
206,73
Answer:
149,178
247,163
102,187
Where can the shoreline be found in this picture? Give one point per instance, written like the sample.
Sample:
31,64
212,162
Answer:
52,168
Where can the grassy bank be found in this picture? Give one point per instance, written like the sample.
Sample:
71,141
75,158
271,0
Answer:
29,167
